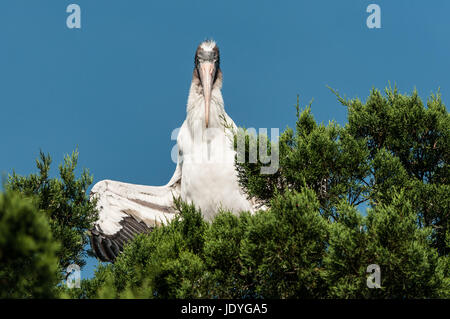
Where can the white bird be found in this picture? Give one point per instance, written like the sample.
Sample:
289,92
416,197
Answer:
205,173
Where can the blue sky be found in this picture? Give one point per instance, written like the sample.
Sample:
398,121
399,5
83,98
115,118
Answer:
117,87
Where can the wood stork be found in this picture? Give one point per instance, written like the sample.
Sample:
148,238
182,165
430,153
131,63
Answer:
205,173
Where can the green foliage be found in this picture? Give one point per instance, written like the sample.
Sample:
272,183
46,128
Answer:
66,203
28,262
226,276
326,159
390,238
403,251
163,264
418,140
282,249
245,256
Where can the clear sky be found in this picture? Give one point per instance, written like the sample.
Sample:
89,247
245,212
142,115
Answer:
118,87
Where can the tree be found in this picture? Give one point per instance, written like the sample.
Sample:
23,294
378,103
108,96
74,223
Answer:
28,262
418,140
66,203
390,238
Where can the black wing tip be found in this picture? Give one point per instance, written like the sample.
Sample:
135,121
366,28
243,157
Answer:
108,247
101,248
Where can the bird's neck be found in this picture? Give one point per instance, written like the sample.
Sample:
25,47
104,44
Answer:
196,108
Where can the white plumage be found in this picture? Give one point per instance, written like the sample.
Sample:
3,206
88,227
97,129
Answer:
205,172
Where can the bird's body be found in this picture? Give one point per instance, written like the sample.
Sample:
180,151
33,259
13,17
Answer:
205,174
209,177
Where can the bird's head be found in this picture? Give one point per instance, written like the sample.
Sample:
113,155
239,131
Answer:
207,71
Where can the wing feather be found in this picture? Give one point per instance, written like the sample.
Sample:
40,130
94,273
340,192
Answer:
126,210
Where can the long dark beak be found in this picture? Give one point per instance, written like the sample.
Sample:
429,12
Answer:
207,70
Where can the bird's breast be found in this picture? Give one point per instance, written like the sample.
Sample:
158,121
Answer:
209,177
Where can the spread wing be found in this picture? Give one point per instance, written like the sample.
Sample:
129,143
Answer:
126,210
